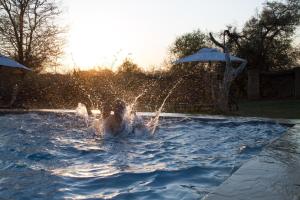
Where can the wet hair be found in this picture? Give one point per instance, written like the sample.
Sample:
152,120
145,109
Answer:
119,107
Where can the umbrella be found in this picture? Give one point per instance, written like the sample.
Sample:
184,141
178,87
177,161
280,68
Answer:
208,55
7,62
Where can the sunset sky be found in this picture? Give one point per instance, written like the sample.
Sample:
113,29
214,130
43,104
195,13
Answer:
104,32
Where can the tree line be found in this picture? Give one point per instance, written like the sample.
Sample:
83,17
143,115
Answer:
267,40
29,33
95,87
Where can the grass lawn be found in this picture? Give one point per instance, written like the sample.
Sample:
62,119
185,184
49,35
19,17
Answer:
288,109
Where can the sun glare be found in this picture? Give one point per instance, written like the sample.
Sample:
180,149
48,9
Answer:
89,46
94,40
104,33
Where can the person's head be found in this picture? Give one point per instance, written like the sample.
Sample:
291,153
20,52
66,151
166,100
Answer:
119,108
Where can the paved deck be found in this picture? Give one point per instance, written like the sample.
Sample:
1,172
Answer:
274,174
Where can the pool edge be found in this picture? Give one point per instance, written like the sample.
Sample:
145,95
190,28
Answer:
151,114
273,174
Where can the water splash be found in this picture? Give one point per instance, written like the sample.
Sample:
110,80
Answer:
133,123
152,124
81,111
137,124
132,107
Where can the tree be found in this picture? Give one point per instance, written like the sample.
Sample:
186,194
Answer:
267,39
28,32
230,74
128,66
188,44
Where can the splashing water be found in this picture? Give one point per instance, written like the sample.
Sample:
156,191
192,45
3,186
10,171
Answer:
96,122
133,123
132,106
152,124
81,111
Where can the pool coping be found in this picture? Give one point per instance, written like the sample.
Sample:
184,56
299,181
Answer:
272,174
151,114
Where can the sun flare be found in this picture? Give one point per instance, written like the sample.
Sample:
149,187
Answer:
104,33
90,46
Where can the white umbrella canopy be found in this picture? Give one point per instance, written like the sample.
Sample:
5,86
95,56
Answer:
208,55
7,62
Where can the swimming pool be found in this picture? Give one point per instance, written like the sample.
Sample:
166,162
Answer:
56,156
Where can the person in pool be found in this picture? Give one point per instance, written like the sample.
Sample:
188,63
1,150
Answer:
114,124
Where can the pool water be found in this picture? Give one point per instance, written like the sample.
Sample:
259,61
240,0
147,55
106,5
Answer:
56,156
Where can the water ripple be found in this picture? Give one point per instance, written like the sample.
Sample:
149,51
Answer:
56,156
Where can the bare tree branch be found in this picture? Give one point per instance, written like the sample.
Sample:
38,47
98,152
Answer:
27,31
216,42
229,76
